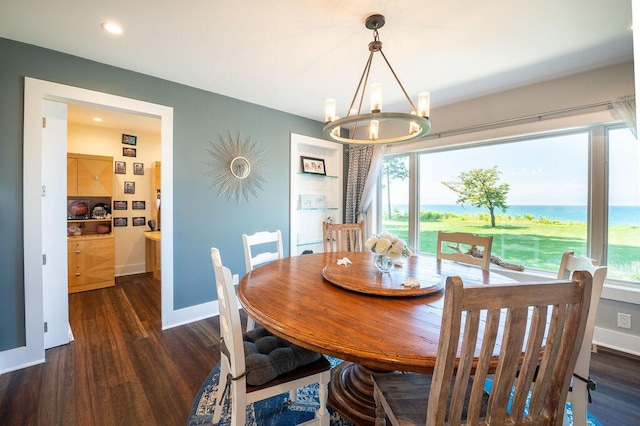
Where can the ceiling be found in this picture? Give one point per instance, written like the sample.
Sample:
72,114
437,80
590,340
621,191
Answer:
291,55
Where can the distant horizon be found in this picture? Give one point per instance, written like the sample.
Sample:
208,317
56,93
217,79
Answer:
618,215
522,204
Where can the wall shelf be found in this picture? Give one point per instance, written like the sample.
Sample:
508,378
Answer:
321,195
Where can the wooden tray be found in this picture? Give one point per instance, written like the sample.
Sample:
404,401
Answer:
362,276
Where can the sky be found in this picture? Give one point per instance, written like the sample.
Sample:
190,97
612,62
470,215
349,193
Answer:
549,171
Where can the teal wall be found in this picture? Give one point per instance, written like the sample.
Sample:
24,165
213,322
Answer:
201,219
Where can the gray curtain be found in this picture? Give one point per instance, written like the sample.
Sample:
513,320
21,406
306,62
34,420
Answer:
359,163
624,108
366,198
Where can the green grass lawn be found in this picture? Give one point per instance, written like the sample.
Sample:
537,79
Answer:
527,241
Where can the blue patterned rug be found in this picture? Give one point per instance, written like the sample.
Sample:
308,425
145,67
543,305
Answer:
591,421
278,411
275,411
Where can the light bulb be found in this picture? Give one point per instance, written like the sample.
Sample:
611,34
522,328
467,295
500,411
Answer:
373,130
424,99
375,97
413,126
336,131
329,110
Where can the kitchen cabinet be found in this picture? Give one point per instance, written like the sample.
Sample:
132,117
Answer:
89,175
90,241
91,262
317,196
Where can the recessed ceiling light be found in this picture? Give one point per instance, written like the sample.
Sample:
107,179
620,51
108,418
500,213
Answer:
112,27
98,119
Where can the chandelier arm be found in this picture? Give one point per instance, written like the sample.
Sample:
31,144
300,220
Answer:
365,73
364,88
399,84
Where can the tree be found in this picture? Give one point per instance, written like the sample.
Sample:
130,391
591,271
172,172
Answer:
480,188
393,168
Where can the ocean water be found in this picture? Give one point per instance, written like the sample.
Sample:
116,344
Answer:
618,215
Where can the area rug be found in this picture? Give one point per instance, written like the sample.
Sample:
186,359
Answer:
274,411
278,411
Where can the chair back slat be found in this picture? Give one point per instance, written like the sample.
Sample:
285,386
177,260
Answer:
271,243
343,237
542,323
449,247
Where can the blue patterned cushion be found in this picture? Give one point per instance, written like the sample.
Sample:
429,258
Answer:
268,356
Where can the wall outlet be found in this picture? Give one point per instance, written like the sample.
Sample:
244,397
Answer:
624,320
236,280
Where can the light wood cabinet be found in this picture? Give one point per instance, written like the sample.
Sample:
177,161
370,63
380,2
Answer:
91,262
90,256
89,175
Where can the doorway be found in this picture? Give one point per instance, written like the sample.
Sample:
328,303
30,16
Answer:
36,91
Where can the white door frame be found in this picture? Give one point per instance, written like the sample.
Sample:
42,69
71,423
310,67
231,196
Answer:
54,240
35,92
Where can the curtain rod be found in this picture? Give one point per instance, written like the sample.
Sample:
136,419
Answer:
517,119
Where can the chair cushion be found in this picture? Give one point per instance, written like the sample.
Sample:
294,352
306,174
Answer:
268,356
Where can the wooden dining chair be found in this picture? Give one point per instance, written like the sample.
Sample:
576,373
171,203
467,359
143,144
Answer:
340,237
260,248
535,328
475,250
257,365
582,384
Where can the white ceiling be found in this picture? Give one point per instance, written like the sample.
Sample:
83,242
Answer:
291,55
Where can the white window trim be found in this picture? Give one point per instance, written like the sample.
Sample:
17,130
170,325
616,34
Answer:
613,289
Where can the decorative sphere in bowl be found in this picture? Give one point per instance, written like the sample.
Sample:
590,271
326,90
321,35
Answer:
103,228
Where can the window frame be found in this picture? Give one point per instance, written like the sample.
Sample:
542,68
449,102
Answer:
597,180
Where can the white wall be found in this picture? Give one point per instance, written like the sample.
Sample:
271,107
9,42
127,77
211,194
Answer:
96,140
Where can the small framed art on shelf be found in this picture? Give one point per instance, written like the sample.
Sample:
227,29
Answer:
313,165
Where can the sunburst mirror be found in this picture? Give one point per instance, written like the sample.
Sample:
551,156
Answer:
237,166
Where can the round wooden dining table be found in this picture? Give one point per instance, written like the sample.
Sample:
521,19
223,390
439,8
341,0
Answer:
353,312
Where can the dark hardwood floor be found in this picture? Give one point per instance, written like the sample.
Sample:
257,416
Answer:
122,369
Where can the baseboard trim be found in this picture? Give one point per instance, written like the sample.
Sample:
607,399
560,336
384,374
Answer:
11,360
192,313
611,339
138,268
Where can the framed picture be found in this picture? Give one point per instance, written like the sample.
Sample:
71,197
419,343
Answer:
138,205
121,167
138,221
120,221
129,139
138,168
313,165
120,205
128,152
129,187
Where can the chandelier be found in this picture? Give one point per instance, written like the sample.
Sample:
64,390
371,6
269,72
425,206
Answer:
417,122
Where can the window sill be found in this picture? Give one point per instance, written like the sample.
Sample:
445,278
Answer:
614,290
621,292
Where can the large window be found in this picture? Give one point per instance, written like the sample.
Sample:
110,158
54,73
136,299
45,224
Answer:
623,243
395,196
550,179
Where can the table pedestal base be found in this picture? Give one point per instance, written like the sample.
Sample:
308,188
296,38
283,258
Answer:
351,392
